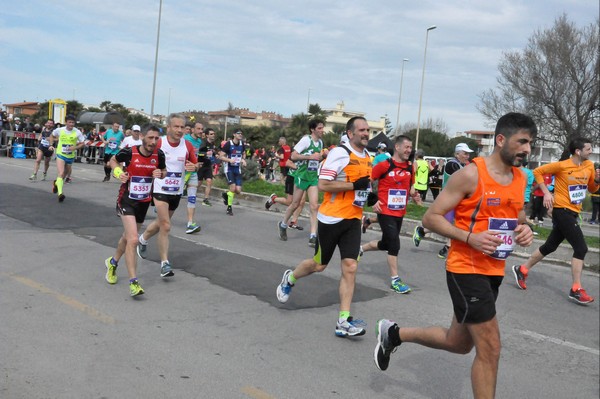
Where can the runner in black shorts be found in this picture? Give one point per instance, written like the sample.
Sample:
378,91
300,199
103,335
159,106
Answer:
43,150
143,163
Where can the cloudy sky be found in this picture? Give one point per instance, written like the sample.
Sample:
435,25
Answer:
271,55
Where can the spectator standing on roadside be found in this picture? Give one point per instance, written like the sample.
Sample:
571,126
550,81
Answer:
111,139
422,168
538,212
284,152
382,154
530,179
435,177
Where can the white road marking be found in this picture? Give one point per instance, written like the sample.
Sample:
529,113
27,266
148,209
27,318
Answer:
541,337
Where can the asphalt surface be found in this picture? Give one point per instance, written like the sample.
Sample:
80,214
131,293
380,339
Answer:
216,330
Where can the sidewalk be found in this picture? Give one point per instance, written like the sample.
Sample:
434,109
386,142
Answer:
561,256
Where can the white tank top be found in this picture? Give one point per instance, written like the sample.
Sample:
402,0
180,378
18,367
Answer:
175,157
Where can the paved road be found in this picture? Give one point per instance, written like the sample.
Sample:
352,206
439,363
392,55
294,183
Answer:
215,330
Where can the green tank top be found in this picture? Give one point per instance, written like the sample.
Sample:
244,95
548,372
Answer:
65,140
421,175
309,169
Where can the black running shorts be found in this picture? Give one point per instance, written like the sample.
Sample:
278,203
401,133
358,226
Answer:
473,296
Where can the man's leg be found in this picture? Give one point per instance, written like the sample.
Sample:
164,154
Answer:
164,222
484,372
207,188
313,202
60,167
296,198
347,282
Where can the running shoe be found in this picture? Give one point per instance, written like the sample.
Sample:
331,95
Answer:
519,277
418,235
33,177
443,252
141,250
229,210
192,228
106,178
206,202
54,188
282,231
366,222
580,296
135,288
350,328
61,198
284,288
44,177
384,347
295,226
270,201
224,196
400,286
68,180
166,270
111,270
312,241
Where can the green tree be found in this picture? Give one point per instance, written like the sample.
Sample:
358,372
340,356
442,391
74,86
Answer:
555,80
388,126
298,127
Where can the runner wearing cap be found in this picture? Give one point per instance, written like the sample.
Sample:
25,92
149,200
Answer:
134,139
70,139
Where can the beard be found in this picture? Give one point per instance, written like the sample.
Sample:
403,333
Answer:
509,159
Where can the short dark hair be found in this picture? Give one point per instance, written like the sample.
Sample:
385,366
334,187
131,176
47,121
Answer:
577,143
313,123
210,129
350,123
70,117
402,138
150,127
512,122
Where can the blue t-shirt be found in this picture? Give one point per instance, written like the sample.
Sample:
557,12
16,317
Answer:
196,143
530,180
381,157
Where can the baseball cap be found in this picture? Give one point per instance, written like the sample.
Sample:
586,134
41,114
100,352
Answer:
136,128
382,146
17,118
462,147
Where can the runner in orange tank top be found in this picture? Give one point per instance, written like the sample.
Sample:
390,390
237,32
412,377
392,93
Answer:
573,177
488,198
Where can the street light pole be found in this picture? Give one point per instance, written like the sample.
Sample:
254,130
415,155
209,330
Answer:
155,61
308,101
432,27
169,105
400,95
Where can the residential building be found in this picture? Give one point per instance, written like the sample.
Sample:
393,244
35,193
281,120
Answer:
26,108
338,116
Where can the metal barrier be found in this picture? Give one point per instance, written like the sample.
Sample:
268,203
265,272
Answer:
9,138
92,152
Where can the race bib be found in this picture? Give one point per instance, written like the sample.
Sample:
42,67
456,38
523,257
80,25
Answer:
66,149
313,165
140,187
505,229
172,183
396,200
360,198
44,142
577,193
236,159
112,145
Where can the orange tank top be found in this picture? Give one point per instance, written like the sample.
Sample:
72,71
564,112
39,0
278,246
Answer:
348,204
491,207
